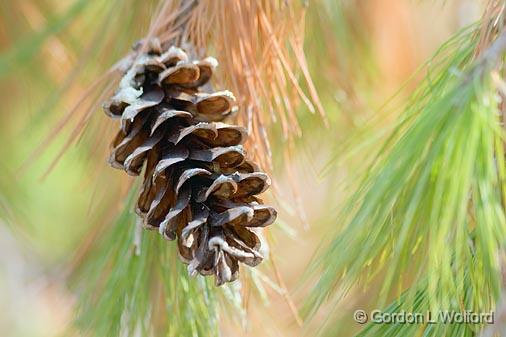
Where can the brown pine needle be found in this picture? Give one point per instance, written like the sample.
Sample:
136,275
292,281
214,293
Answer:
77,131
60,126
286,294
253,41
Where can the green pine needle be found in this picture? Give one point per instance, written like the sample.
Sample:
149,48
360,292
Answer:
25,49
430,209
146,293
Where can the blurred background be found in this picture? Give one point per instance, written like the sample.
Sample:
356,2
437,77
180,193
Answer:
360,54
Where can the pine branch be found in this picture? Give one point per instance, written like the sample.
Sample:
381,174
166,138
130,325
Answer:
431,205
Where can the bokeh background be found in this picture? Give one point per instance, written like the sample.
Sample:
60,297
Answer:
361,53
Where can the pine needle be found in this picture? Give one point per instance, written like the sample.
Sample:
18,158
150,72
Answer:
132,289
259,44
430,205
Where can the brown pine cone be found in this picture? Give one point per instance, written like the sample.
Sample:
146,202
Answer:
198,186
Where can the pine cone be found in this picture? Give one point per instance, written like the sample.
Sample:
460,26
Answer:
198,186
